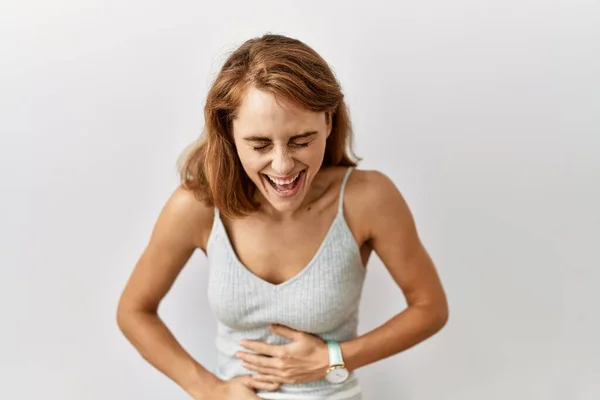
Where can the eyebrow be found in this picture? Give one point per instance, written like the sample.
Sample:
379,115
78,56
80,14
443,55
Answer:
266,139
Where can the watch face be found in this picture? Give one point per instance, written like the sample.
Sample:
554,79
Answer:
337,375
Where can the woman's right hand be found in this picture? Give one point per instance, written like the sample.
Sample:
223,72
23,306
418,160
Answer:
241,388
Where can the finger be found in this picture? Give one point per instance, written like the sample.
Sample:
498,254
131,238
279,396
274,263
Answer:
260,360
261,347
252,383
262,370
245,380
286,332
268,378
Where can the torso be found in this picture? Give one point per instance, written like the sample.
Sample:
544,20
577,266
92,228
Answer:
276,251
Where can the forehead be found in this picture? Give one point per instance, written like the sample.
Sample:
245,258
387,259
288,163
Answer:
262,111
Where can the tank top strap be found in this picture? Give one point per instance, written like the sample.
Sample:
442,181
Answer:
217,222
342,189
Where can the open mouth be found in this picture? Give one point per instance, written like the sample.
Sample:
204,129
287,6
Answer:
287,187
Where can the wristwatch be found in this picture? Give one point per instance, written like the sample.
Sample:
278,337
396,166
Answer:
337,372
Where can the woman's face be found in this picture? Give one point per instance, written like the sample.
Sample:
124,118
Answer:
281,147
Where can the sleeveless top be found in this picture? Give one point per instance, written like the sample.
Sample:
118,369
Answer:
322,299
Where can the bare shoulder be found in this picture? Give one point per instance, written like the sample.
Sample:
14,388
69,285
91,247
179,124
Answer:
186,216
376,200
363,179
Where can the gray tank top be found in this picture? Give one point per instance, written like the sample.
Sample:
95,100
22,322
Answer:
323,299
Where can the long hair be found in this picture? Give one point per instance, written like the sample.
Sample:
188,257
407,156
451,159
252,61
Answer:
286,68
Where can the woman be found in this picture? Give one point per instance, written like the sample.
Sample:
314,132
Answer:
271,195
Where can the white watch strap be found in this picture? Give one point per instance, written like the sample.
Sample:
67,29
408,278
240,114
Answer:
335,353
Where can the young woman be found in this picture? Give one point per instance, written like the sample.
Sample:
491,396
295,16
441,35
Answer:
271,195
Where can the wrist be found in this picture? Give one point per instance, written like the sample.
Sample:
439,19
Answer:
348,352
203,385
205,391
324,358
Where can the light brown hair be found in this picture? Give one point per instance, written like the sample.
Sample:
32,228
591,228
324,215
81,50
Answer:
285,67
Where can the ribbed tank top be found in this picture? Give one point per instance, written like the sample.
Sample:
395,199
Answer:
322,299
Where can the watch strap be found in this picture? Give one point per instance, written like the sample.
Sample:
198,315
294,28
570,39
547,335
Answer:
335,353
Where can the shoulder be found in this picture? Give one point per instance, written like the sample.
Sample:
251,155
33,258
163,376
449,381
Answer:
376,200
369,179
371,187
186,216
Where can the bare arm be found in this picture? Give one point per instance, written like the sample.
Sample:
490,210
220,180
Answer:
181,227
392,233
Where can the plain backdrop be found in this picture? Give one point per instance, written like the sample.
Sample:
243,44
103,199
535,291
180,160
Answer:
486,114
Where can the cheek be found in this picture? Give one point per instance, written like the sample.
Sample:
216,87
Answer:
315,156
251,161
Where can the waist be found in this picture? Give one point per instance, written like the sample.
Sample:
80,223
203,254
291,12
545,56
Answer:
353,393
322,389
315,390
229,366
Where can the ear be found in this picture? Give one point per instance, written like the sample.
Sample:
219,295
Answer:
329,118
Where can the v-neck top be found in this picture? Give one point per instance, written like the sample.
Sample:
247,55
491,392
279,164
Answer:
322,299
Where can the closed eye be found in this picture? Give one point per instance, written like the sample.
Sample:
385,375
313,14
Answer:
300,144
296,145
261,147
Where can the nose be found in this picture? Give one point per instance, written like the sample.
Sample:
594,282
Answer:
282,163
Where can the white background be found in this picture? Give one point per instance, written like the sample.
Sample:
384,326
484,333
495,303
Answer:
485,113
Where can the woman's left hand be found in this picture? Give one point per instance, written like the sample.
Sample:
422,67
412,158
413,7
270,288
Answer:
305,359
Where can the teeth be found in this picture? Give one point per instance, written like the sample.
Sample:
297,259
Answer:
283,181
